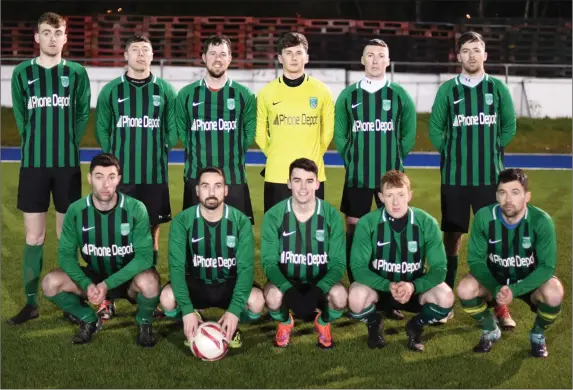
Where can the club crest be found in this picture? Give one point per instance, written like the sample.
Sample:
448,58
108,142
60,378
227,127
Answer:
489,99
412,246
231,104
65,81
156,100
313,102
125,229
526,242
320,235
231,241
386,105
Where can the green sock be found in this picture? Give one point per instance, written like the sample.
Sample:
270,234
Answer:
248,316
145,308
280,315
31,271
71,303
329,315
430,314
477,308
369,316
452,270
155,254
175,313
546,315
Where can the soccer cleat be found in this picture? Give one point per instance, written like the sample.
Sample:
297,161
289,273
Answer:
236,341
87,330
106,310
504,318
145,336
158,313
487,339
446,319
282,336
324,334
28,312
72,318
414,333
375,335
538,346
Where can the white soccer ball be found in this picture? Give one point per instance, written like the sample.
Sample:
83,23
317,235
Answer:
209,343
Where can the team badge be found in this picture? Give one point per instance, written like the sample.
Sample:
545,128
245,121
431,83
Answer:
320,235
231,241
156,100
313,102
526,242
65,81
412,246
386,105
231,104
488,99
125,229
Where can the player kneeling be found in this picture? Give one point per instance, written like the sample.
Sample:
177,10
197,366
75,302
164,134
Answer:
211,261
303,256
512,252
112,232
392,250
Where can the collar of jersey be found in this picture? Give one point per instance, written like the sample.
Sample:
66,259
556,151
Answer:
120,200
35,62
317,206
229,82
153,80
459,81
199,216
385,219
386,85
497,210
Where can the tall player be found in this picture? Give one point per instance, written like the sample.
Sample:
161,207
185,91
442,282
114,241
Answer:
472,121
135,121
216,121
51,100
295,118
375,128
302,254
512,254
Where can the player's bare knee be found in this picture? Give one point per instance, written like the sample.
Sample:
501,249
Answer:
273,297
358,295
52,283
256,301
167,298
35,238
552,292
444,295
468,288
147,283
338,297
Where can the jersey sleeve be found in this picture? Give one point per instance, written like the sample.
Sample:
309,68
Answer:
477,253
435,257
177,263
336,252
546,252
250,118
182,117
327,121
68,251
142,248
361,255
18,101
341,123
245,267
508,120
407,123
270,251
171,128
262,131
103,119
438,118
82,102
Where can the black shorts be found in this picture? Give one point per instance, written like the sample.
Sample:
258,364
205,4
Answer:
205,296
304,288
456,202
36,184
155,197
276,192
238,197
120,292
357,202
386,302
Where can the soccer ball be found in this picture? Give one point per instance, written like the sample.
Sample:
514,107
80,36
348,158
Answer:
209,343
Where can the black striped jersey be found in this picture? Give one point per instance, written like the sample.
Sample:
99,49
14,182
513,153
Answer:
115,244
470,127
294,252
216,128
211,254
522,256
52,108
136,123
373,132
380,255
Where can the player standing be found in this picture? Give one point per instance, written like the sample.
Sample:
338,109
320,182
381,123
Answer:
295,118
135,121
472,121
302,254
216,121
512,253
111,231
51,100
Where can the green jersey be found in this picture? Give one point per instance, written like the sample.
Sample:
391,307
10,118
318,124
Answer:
216,128
137,125
51,107
470,127
522,256
381,255
212,253
373,132
294,252
116,244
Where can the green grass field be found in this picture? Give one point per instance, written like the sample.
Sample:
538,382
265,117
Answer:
40,354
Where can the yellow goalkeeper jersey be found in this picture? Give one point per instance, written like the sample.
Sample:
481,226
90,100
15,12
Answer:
294,122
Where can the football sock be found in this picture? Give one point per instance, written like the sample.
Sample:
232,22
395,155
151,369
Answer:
329,315
31,270
349,237
145,308
248,316
477,308
546,315
280,315
452,269
430,314
71,303
369,316
175,313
